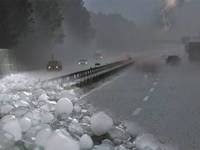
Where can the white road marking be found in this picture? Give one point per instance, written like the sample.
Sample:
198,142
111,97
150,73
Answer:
137,111
146,98
152,90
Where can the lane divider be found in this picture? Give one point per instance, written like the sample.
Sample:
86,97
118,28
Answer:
146,98
137,111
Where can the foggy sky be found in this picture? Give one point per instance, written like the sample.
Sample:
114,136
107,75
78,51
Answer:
145,13
137,10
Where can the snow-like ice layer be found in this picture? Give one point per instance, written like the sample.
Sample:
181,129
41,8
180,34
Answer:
133,129
42,136
60,141
64,105
25,123
31,118
13,127
101,123
86,142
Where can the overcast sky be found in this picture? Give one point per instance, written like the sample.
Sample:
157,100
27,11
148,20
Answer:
144,12
137,10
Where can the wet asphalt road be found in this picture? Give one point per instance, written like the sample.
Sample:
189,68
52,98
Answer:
166,104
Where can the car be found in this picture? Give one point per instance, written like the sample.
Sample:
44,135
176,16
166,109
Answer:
98,56
54,65
83,62
97,64
173,60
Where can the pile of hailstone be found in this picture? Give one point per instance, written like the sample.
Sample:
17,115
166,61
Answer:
38,116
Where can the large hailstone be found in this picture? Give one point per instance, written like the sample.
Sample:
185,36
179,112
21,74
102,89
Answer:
101,123
86,142
25,123
60,141
133,129
43,97
64,105
12,126
147,141
42,136
6,109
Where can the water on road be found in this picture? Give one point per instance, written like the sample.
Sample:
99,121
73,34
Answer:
166,104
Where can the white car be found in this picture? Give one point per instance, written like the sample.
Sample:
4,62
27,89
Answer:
83,62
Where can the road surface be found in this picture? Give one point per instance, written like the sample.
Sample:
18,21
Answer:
166,104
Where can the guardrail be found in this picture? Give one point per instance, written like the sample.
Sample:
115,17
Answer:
93,74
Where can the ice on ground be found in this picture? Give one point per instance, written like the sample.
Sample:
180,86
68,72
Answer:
42,136
25,123
86,142
13,127
77,108
68,94
75,128
15,82
5,109
133,129
43,97
118,133
46,116
121,147
21,103
60,141
6,140
147,141
101,123
104,146
64,105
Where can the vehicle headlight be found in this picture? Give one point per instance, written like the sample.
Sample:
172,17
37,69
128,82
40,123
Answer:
56,67
49,67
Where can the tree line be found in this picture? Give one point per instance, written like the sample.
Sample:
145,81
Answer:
42,20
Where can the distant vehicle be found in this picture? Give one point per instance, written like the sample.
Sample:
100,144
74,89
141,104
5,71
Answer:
97,64
173,60
98,56
83,62
54,65
193,50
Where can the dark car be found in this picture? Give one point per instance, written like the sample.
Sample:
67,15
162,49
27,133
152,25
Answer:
173,60
97,64
193,50
54,65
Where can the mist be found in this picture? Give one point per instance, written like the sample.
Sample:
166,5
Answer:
76,29
163,16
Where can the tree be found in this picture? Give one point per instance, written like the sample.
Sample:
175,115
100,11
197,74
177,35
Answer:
114,32
77,19
15,17
48,19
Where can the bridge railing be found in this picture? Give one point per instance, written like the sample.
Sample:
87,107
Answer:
89,74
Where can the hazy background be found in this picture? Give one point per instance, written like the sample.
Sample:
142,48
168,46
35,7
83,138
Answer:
76,29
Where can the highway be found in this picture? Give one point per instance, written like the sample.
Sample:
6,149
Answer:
165,104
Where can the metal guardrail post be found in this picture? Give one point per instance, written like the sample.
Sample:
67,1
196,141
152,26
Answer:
92,74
